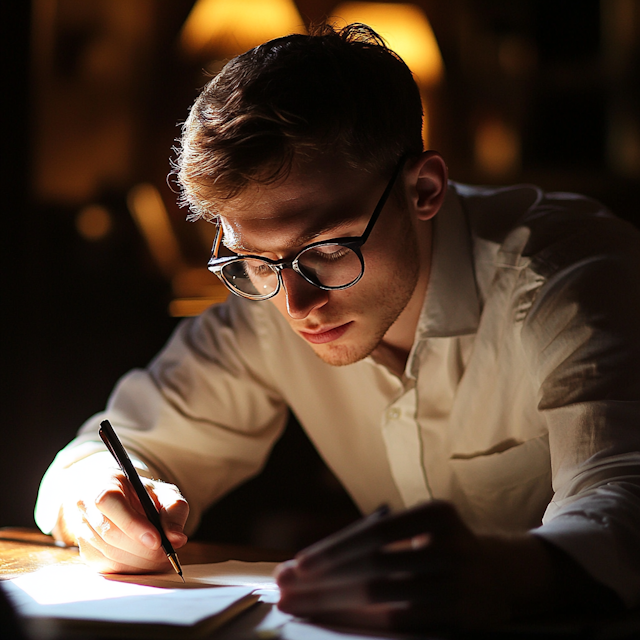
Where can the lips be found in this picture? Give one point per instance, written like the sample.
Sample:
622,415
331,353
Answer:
327,335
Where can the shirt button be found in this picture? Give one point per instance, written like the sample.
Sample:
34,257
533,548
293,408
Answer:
393,413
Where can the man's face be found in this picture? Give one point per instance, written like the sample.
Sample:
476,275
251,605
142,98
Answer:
319,201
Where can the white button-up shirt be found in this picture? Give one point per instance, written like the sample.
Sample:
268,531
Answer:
520,401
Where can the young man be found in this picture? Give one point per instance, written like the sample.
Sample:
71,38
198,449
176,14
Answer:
467,356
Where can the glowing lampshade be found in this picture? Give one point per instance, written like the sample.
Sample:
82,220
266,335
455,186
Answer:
233,26
406,30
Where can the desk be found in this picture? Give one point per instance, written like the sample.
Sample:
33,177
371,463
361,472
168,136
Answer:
24,551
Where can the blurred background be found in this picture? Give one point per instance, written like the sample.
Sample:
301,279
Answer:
99,264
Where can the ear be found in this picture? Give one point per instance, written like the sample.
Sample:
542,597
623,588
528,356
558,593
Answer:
426,183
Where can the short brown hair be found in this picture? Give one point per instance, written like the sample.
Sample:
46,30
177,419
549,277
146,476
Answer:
339,91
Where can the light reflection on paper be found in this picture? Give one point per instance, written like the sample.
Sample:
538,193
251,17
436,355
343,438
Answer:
62,584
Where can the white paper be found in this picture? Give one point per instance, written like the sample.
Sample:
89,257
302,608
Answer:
76,592
258,575
233,573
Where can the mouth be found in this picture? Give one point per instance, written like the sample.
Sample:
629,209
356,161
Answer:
325,335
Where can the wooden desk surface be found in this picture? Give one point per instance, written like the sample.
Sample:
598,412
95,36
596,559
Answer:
26,550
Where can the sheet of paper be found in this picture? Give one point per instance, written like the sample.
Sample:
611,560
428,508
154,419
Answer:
77,592
258,575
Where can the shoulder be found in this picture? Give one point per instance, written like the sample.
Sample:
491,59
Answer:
559,267
522,227
236,334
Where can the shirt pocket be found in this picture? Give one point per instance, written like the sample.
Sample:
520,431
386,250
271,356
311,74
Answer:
506,491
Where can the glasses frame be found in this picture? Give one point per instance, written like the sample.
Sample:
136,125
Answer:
355,243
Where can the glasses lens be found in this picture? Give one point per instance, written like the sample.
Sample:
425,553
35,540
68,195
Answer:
330,265
252,277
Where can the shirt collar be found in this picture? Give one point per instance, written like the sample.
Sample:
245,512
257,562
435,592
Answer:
451,306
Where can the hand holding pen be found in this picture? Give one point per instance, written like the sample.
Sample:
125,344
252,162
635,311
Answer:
102,514
116,449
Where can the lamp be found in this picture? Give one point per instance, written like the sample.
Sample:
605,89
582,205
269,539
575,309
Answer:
228,27
406,30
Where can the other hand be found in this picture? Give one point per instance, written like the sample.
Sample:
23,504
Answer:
419,569
102,515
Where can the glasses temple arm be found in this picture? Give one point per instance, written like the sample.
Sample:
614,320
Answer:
383,198
216,242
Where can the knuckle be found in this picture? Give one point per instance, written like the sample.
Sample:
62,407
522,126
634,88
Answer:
107,495
108,531
181,508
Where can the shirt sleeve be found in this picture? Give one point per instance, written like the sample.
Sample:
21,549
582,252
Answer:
582,342
203,416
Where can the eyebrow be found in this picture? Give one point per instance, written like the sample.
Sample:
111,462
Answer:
300,241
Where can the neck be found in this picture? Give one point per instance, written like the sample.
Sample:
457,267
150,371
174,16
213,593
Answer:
393,351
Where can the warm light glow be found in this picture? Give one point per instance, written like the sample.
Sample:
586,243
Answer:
233,26
405,29
150,214
93,222
497,148
184,307
60,584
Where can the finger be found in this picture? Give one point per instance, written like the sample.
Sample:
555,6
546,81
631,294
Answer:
436,518
310,600
428,561
339,538
118,508
402,617
107,558
285,573
173,509
424,588
305,602
113,537
382,562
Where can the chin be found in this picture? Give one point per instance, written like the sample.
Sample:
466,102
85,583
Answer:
340,355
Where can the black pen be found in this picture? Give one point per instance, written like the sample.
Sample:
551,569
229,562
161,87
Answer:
114,445
344,534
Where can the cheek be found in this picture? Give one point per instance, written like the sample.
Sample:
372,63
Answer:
379,271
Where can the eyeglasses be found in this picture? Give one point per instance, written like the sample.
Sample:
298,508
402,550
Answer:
330,265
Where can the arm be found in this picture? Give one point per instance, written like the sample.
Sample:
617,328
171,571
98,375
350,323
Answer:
201,417
581,345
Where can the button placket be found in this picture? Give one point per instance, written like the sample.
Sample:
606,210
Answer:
401,434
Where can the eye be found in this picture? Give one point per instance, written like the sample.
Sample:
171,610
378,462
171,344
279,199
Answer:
257,268
327,253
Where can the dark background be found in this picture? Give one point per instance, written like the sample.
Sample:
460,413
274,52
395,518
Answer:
562,76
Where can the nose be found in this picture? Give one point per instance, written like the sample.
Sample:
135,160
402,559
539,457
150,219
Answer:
302,296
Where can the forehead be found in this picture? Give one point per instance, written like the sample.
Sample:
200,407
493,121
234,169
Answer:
316,198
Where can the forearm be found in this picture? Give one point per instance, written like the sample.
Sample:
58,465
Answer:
536,577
